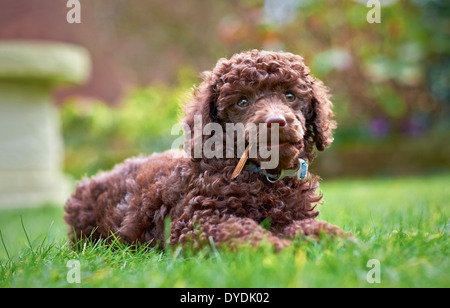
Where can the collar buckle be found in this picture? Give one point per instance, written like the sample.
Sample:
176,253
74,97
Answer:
301,172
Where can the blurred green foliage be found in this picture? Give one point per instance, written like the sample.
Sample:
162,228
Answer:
98,136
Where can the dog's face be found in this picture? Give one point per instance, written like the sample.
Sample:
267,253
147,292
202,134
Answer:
272,88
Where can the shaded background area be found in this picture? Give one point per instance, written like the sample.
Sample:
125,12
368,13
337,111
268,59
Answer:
390,81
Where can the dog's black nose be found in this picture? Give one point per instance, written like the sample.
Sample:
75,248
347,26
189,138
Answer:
277,118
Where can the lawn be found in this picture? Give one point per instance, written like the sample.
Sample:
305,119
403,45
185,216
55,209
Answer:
400,222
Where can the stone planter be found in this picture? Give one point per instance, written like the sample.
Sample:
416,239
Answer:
31,145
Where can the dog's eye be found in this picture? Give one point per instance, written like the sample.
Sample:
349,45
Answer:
290,97
243,102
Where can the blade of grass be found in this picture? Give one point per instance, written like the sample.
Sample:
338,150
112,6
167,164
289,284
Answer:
26,235
4,246
214,248
373,224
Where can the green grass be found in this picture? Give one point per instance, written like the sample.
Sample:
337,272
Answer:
403,223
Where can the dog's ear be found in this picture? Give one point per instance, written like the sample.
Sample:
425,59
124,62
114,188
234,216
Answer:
321,122
201,107
203,101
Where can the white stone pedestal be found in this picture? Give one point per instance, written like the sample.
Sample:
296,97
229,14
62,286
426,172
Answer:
31,145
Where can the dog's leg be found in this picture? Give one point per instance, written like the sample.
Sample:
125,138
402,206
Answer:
311,227
228,230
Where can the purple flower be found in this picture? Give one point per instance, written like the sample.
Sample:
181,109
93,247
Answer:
414,126
380,127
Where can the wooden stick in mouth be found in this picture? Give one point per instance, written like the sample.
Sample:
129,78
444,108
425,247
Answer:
241,163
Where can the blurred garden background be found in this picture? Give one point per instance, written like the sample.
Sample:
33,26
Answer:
390,81
76,98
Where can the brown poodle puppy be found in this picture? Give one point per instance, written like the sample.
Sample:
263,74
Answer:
204,203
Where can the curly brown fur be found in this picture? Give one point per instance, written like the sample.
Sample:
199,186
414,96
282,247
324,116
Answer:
198,195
